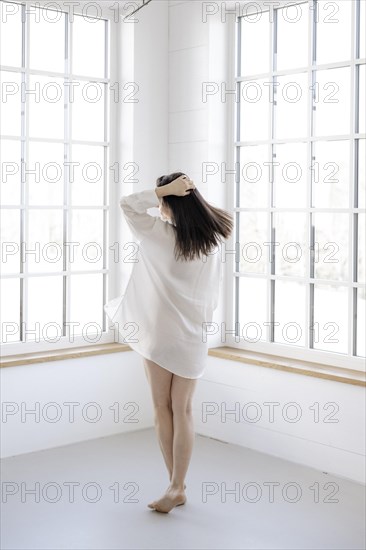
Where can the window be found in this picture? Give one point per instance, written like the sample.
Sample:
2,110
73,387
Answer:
300,181
55,153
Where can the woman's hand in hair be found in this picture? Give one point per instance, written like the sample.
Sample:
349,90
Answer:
181,186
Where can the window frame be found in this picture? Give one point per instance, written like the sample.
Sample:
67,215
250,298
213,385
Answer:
111,112
232,337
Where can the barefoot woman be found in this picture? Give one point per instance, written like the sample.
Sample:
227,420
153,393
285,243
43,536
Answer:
172,292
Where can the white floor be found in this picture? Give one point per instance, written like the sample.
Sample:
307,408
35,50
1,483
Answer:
128,471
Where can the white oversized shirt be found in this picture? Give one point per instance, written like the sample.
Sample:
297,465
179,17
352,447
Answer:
166,310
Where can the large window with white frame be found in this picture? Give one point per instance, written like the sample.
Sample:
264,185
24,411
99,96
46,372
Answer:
55,74
300,181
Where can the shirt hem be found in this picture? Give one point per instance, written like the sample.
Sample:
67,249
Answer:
147,356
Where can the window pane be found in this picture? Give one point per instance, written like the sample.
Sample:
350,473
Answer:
87,233
45,314
9,310
10,120
255,104
46,184
290,313
10,34
292,37
44,246
291,110
332,107
33,108
290,175
254,176
361,173
361,326
362,100
331,246
361,277
10,172
88,178
88,48
252,309
333,31
46,107
88,111
253,234
331,318
86,304
255,38
47,27
290,252
10,241
330,166
330,173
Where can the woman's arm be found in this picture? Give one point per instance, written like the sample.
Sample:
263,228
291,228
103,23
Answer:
135,208
135,205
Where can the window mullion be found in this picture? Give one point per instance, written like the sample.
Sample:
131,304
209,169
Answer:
271,283
309,287
107,131
24,238
67,161
237,179
353,218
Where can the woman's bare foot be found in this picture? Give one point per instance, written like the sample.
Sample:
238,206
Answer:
172,498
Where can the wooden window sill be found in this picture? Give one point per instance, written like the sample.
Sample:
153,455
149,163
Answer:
61,354
316,370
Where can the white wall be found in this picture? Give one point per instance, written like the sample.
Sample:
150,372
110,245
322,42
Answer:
151,75
188,68
109,392
328,433
142,128
199,123
316,422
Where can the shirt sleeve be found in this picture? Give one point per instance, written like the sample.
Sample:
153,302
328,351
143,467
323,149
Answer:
134,207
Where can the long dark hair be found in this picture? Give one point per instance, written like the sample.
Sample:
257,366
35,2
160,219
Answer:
199,226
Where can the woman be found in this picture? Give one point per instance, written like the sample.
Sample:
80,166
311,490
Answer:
170,298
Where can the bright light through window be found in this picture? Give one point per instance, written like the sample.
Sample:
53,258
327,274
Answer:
55,149
300,194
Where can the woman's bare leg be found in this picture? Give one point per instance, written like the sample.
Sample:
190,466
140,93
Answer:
160,381
182,390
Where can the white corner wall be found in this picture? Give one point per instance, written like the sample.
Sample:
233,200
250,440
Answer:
151,76
311,421
58,403
199,123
